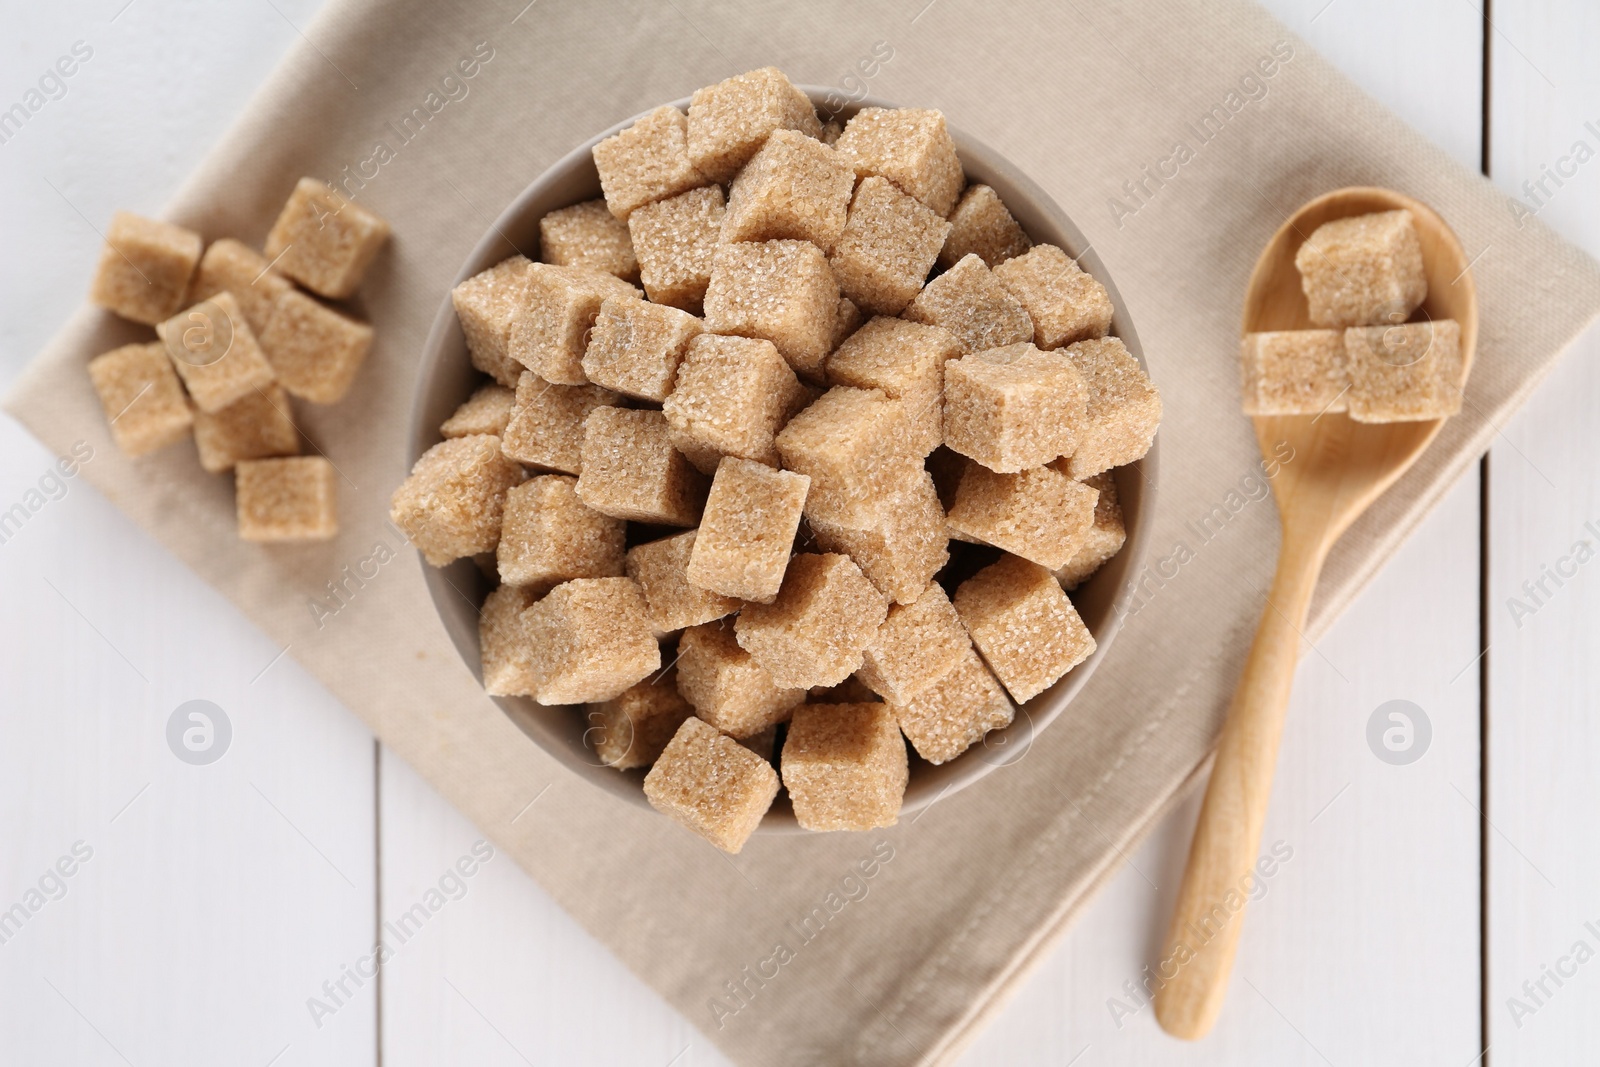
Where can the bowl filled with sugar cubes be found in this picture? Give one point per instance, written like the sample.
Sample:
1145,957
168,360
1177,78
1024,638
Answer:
781,470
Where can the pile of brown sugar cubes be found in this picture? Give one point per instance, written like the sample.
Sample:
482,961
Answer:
746,477
236,339
1363,277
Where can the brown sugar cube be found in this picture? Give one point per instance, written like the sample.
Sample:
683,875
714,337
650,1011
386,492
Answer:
712,785
141,396
487,410
1293,372
662,570
733,395
1024,625
916,647
258,426
816,630
675,241
548,536
215,353
324,241
1363,271
747,531
901,544
1102,540
845,766
631,471
286,499
780,291
646,162
591,641
795,188
631,729
855,446
635,347
314,350
1124,409
1013,408
909,146
730,121
1065,303
889,244
955,712
505,656
727,686
1039,514
830,132
981,226
231,266
144,268
905,360
546,425
968,301
1405,373
588,235
559,306
453,502
485,305
846,322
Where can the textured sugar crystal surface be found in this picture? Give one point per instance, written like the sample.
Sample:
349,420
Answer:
955,712
968,301
727,686
816,630
453,502
1024,625
1363,271
505,654
712,785
675,241
905,360
559,306
1065,303
545,429
548,535
1102,540
733,395
141,396
324,241
487,410
794,188
635,347
1124,409
632,729
845,766
314,350
1013,408
647,162
747,531
1293,372
899,544
781,291
846,322
981,226
144,268
231,266
588,235
889,244
631,471
1039,514
1405,373
730,121
662,570
856,447
485,305
830,132
286,499
916,647
257,426
590,641
911,148
215,353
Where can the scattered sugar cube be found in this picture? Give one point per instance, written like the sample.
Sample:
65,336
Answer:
1013,408
646,162
968,301
1103,539
911,147
590,641
856,447
747,531
1363,271
781,291
675,241
662,570
324,241
548,536
215,353
231,266
1293,372
889,244
631,471
546,425
955,712
846,322
816,630
730,121
314,350
559,306
286,499
485,305
845,766
1124,409
1065,303
900,544
795,188
141,396
257,426
453,502
727,686
733,395
487,410
505,654
711,785
981,226
905,360
1039,514
1405,373
1024,625
916,647
635,347
144,268
588,235
632,729
830,132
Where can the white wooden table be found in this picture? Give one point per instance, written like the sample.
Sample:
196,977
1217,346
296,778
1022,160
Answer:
208,904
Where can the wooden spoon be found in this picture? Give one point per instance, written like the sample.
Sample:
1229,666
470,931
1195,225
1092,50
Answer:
1339,467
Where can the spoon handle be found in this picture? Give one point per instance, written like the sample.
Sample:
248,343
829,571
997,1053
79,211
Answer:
1222,858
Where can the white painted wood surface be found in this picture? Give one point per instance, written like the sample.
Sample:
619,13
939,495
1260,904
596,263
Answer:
222,897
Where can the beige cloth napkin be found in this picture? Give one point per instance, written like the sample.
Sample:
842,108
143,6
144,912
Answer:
905,965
